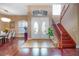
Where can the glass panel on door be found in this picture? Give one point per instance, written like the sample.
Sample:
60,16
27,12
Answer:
35,28
44,27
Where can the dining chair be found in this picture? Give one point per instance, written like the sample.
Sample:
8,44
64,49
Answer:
1,40
6,38
9,36
13,35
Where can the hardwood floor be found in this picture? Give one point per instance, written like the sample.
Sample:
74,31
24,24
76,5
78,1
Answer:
39,43
18,48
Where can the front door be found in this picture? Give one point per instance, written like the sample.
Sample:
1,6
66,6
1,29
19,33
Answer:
39,27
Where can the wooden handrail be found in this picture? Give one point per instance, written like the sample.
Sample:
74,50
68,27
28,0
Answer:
65,10
62,9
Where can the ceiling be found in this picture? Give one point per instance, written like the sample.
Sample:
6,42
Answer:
14,8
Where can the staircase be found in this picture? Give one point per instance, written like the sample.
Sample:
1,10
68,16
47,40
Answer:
65,40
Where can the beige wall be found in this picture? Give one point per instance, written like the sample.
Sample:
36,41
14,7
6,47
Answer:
0,25
47,7
16,19
70,22
78,24
27,18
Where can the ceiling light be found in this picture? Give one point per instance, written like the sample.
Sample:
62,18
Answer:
4,19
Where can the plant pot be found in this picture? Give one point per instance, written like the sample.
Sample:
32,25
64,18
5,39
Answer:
52,37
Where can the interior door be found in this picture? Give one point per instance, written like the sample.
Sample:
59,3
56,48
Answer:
39,27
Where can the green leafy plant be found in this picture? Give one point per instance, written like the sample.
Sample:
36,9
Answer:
50,32
6,30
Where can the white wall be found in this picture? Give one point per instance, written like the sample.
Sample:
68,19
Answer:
56,18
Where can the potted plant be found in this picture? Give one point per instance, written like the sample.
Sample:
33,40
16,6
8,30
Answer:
50,33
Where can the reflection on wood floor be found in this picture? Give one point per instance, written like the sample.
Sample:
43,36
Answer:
18,48
39,43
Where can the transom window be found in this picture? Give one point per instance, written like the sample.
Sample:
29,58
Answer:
56,9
